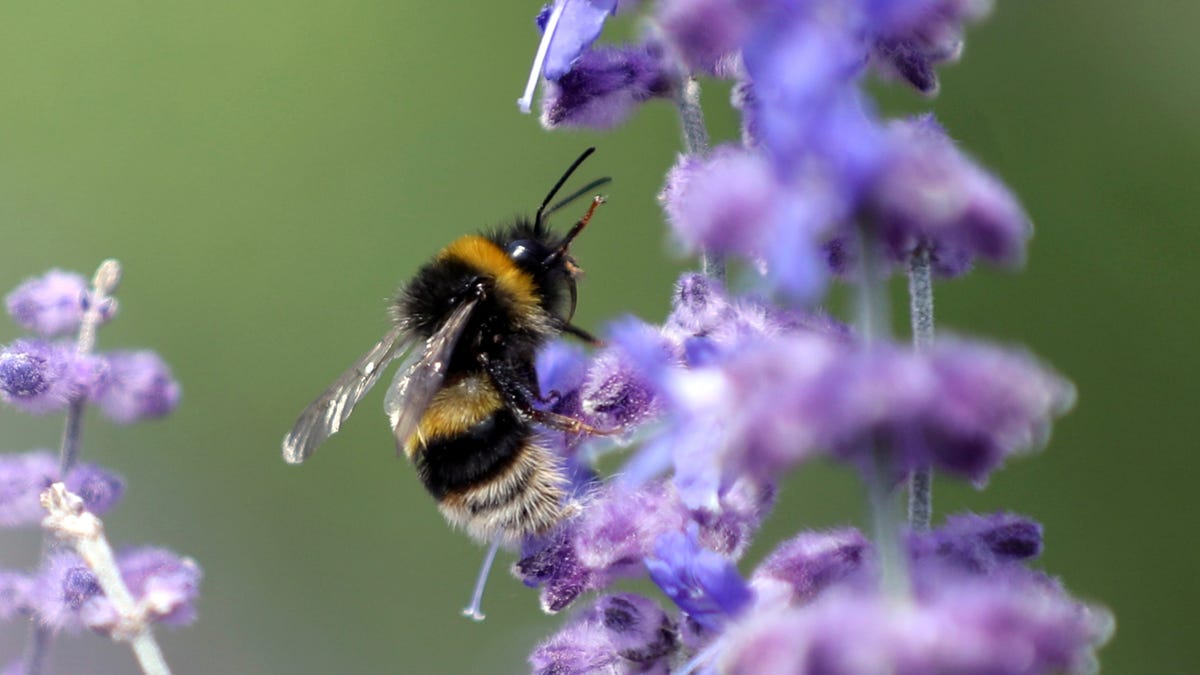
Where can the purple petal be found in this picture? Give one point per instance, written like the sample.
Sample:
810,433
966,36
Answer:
16,594
137,386
64,585
803,567
38,377
605,85
930,192
701,582
706,32
51,304
578,27
24,476
622,633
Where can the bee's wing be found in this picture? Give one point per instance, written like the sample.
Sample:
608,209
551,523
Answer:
324,416
421,375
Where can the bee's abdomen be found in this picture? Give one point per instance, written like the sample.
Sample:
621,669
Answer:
449,464
523,499
483,464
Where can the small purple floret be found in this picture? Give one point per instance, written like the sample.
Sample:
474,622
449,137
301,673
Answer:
703,583
64,586
39,377
621,633
803,567
24,476
137,386
707,33
579,24
604,86
930,192
16,594
1003,626
979,544
49,305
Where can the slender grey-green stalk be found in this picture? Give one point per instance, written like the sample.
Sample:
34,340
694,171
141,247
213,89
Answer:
695,142
872,320
920,293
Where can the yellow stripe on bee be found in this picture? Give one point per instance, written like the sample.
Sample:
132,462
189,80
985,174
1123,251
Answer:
489,259
456,407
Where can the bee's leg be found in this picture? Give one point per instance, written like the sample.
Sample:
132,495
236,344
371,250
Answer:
519,396
572,329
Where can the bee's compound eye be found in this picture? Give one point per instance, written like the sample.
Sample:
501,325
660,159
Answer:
521,250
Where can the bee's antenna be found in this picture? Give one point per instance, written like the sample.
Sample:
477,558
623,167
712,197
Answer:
541,212
573,232
576,195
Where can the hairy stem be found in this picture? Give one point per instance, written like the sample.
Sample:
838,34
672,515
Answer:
695,142
920,293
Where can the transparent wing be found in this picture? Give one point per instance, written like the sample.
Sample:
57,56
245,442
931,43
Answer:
422,373
324,416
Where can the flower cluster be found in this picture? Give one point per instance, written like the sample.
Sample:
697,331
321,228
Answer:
41,375
734,390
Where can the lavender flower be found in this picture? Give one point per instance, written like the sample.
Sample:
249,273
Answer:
16,591
64,585
802,568
979,544
137,386
622,633
161,580
568,28
618,528
911,39
730,392
604,85
997,625
707,33
703,583
49,305
38,377
930,193
24,476
67,596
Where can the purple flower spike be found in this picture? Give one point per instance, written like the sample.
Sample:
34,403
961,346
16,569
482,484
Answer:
138,386
604,86
16,594
37,376
24,476
701,582
49,305
931,192
63,587
800,569
623,633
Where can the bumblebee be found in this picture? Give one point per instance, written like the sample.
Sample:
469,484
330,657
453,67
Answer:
462,404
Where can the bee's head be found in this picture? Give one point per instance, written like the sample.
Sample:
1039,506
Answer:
547,257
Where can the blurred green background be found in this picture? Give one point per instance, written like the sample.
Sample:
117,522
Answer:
268,172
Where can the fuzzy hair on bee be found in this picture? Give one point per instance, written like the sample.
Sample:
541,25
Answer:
463,404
